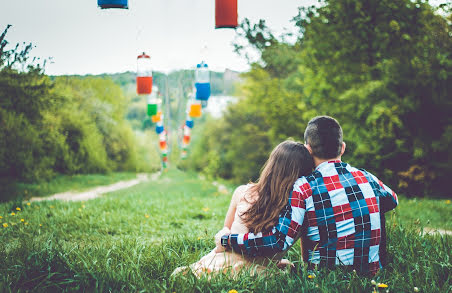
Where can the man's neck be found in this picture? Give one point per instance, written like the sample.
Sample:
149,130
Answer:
318,161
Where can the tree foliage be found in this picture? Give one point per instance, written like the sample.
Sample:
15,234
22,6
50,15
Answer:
63,125
382,68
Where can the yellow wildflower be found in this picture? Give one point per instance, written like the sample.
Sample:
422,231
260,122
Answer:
199,237
311,276
448,201
40,225
1,217
5,225
28,204
17,209
83,206
233,291
79,209
22,220
13,214
51,207
382,285
26,223
146,216
205,209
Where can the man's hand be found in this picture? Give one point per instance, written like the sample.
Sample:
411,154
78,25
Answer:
219,247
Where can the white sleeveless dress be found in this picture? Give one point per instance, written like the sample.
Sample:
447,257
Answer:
229,261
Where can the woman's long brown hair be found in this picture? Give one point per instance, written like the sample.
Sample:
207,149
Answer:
288,161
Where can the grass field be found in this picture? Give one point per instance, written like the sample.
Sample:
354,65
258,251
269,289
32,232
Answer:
131,240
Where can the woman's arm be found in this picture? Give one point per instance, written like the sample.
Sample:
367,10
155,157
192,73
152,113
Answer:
233,206
229,219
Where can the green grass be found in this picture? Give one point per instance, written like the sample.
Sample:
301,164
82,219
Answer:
431,213
60,183
131,241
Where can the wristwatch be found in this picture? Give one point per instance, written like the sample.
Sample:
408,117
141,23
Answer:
225,241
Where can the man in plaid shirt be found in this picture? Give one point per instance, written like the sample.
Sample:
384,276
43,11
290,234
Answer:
338,210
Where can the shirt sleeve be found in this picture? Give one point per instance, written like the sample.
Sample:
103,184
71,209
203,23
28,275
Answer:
388,198
284,234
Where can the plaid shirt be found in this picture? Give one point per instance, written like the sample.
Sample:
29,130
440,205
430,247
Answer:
338,210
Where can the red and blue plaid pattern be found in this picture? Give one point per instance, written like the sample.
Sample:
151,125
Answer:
338,209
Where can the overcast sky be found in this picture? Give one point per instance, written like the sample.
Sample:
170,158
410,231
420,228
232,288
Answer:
82,38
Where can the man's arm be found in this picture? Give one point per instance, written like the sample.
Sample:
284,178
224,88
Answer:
388,198
284,234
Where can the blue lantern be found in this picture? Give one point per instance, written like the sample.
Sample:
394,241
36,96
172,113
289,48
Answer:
159,128
202,79
189,123
105,4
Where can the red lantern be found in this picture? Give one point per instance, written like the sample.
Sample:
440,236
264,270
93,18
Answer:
226,14
144,74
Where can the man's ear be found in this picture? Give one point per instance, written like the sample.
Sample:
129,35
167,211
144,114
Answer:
343,148
309,148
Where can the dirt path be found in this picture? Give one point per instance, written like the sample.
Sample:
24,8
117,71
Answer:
98,191
428,230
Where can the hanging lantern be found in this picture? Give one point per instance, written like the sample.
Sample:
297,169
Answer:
184,154
159,128
226,14
153,103
187,130
163,145
189,123
195,110
202,82
144,74
157,117
165,159
186,139
162,136
106,4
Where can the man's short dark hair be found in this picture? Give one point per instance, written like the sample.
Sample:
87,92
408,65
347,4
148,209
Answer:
324,136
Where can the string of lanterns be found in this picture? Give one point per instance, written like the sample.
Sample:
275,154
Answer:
197,101
154,104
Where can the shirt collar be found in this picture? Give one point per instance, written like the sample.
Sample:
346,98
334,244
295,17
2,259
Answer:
326,163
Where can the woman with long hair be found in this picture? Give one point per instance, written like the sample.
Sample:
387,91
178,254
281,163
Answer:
255,207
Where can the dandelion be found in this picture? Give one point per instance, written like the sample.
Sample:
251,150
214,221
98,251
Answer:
205,209
199,237
28,204
51,207
13,214
233,291
382,285
17,209
448,201
1,217
26,223
40,225
22,220
311,276
146,216
83,206
5,225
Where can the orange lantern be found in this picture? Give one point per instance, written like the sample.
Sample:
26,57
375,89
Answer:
163,144
157,118
186,139
195,110
226,14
